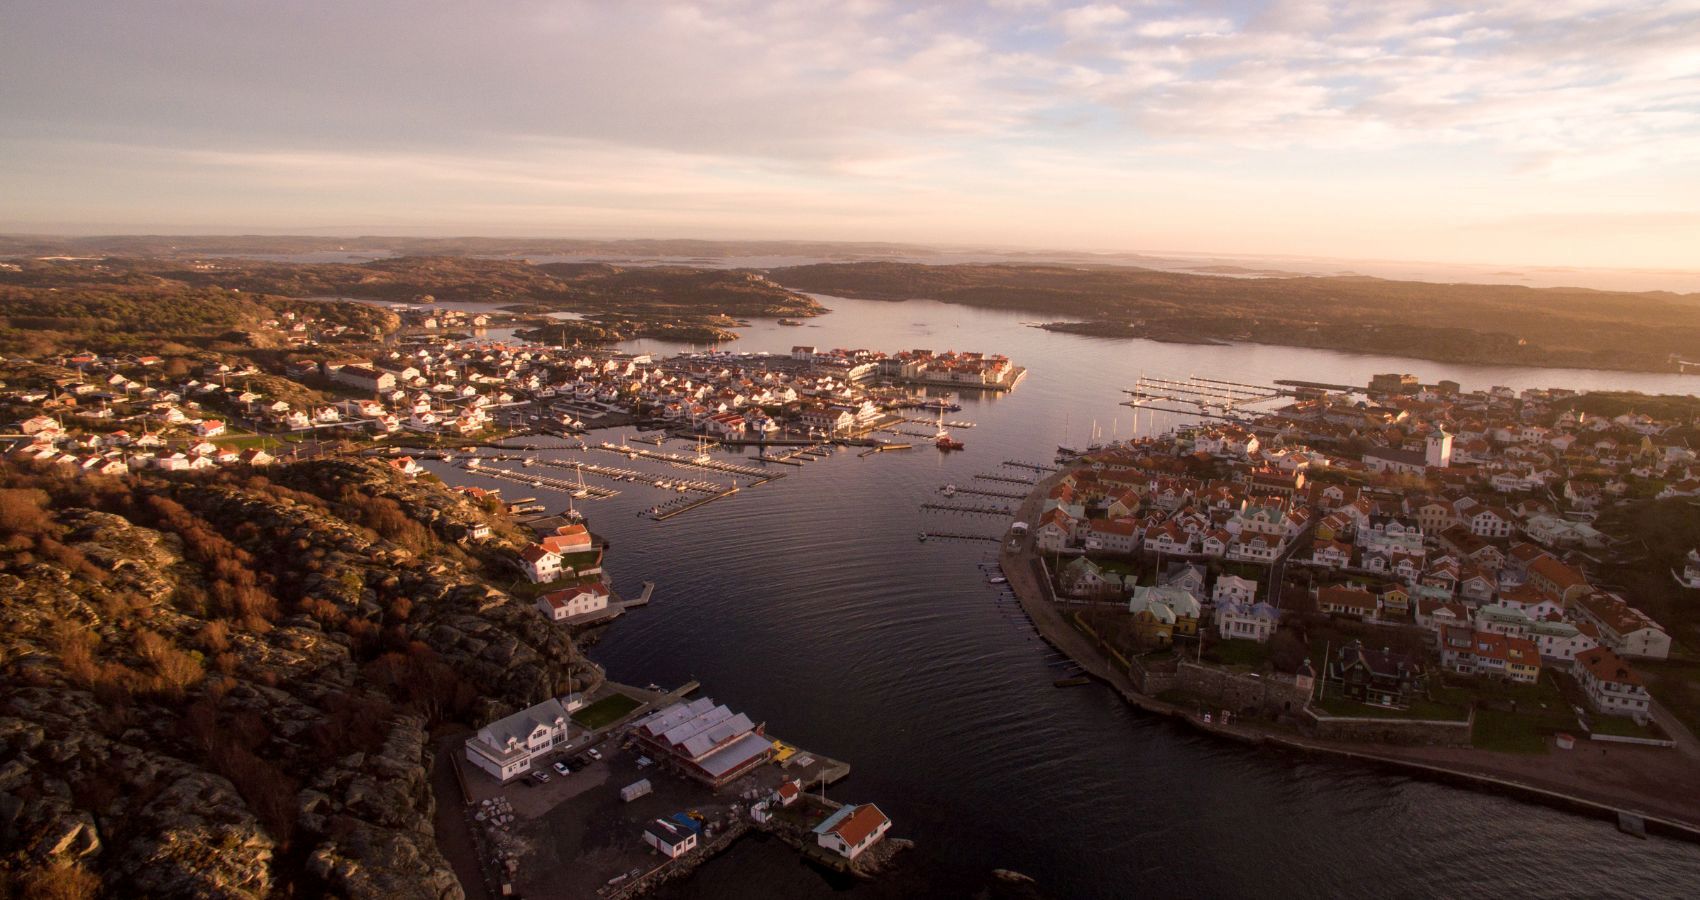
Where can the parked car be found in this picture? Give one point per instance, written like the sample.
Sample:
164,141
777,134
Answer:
594,753
561,768
540,775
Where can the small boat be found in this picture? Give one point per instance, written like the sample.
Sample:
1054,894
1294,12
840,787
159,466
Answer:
946,442
948,490
923,537
789,322
997,579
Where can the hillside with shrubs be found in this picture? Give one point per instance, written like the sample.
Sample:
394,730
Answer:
227,684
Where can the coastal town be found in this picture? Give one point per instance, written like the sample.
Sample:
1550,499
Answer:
1396,566
656,781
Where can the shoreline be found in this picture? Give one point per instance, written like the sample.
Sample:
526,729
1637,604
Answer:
1017,561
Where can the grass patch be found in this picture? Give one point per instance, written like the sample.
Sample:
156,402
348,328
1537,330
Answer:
1244,653
1675,684
1421,708
1506,732
605,712
1623,726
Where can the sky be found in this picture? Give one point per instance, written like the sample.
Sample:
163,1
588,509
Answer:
1533,132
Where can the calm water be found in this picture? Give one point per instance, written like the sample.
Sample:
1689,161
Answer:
809,603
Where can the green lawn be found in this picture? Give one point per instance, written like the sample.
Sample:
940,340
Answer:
1249,654
1676,686
1508,732
606,711
1421,708
1623,726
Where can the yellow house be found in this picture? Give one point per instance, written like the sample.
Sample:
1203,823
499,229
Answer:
1395,603
1176,607
1155,626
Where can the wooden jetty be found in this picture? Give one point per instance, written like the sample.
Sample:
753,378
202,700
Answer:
947,423
712,465
947,535
1037,467
684,505
881,449
978,510
1006,479
701,487
549,481
1001,495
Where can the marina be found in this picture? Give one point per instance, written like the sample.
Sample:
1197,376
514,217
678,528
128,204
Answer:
855,615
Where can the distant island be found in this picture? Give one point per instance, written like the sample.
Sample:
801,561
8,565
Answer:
114,303
1460,323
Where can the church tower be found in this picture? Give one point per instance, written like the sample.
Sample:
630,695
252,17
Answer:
1439,454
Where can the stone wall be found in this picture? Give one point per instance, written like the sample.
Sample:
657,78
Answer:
1391,731
1151,680
1243,693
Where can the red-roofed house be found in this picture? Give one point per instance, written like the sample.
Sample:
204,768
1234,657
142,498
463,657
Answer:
580,600
540,564
1612,687
852,829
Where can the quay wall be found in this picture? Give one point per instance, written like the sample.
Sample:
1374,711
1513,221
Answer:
1401,732
1243,693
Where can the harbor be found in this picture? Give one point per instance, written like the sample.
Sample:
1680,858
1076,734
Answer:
856,614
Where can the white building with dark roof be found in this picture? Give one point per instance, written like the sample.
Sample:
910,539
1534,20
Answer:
506,748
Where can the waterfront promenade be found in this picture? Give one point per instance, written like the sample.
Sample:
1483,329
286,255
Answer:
1659,785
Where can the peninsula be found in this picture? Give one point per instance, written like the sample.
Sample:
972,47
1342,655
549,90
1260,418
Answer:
1461,323
1427,598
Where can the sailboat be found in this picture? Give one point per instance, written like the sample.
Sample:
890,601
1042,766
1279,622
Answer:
1065,452
702,457
582,491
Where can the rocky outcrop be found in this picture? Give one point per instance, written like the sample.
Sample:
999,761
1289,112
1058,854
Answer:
218,687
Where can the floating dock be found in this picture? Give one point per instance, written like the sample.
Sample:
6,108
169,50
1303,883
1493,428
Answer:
952,536
549,481
1006,479
1001,495
977,510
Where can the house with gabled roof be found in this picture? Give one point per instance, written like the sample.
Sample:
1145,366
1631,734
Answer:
851,830
507,748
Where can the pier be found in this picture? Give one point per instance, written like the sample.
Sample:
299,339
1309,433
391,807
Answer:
953,536
1001,495
947,423
549,481
977,510
682,505
882,449
1037,467
1005,479
618,474
712,465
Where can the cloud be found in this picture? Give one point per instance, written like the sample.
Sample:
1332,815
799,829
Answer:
824,108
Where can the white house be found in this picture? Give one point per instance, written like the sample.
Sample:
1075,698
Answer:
1611,686
852,829
1233,589
671,838
574,601
507,747
1246,621
540,564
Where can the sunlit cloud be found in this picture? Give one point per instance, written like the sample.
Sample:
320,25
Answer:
1379,129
